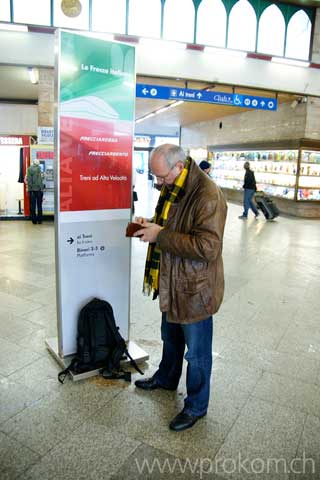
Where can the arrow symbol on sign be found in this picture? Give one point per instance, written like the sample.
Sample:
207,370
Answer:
145,91
199,95
262,103
70,240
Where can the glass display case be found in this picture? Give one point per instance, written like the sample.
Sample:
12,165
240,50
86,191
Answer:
309,176
291,173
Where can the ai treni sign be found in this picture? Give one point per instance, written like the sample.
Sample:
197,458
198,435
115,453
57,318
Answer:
204,96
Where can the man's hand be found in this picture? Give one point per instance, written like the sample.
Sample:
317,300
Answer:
149,232
140,220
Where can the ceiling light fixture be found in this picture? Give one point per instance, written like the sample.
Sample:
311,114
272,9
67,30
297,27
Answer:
146,117
33,75
171,105
175,104
289,61
149,116
160,110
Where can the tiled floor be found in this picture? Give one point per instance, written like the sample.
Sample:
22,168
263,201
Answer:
264,415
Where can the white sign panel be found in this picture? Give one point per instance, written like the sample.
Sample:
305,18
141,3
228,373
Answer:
96,99
46,135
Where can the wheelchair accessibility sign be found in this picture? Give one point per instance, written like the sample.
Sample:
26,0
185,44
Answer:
191,95
259,103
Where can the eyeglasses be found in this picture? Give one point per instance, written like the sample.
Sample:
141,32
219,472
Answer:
164,177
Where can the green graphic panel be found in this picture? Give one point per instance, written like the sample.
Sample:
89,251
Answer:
97,78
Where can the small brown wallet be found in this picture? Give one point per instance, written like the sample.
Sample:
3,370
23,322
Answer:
132,228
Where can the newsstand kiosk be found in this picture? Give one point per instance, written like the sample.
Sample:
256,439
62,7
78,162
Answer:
95,99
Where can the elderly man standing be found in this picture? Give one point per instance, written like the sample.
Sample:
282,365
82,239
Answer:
184,267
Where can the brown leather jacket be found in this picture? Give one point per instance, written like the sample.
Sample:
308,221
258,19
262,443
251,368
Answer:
191,281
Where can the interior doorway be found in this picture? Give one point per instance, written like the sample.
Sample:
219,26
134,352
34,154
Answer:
11,191
14,153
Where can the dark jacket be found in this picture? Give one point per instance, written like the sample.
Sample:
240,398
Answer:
249,180
34,178
191,280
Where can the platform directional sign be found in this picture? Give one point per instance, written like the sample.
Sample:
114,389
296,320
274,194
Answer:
161,92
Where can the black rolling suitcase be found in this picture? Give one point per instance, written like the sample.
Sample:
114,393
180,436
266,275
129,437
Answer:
267,206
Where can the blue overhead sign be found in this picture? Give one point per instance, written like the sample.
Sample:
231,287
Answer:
160,92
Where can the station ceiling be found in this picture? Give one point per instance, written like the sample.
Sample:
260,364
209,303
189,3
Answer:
15,86
190,112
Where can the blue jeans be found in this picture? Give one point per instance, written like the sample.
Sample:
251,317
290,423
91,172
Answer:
198,338
248,202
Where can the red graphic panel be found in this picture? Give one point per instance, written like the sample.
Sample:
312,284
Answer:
95,164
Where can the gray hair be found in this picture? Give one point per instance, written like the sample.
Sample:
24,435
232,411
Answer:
172,153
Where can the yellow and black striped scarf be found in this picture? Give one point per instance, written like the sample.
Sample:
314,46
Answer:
166,199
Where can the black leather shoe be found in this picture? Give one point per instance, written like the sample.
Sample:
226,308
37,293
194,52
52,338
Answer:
183,421
151,384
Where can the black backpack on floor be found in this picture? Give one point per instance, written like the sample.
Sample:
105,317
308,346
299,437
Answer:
99,343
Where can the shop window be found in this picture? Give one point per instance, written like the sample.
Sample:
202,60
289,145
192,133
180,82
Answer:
212,23
80,22
32,12
242,27
178,21
4,10
271,31
109,16
145,18
298,36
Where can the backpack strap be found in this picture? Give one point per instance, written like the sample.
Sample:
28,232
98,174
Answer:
63,374
121,375
133,362
92,328
115,331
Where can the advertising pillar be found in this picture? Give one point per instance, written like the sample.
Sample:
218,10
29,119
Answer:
95,93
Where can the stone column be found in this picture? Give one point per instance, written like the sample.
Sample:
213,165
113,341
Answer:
315,55
313,118
46,97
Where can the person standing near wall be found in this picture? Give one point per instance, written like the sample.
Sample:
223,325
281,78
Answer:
35,188
184,267
250,188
